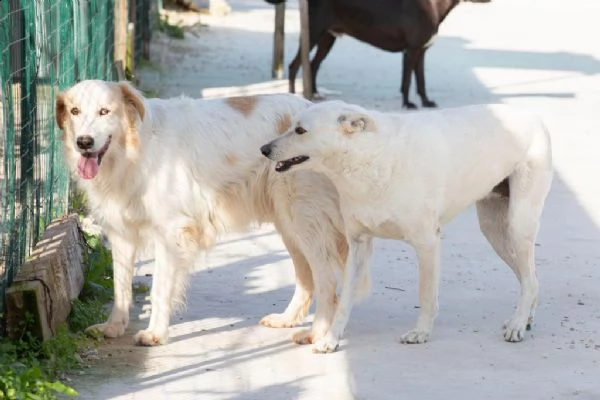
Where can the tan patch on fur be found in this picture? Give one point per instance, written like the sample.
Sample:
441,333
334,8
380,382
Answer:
245,105
198,236
231,159
349,125
342,247
134,109
60,112
130,139
284,123
135,104
389,230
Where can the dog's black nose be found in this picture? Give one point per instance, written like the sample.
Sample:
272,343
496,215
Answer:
85,142
266,150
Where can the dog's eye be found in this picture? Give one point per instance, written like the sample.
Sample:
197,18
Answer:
104,111
75,111
300,130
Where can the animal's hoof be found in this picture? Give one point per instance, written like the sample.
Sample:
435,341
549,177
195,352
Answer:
107,329
327,344
410,106
514,331
277,321
148,338
415,336
429,104
303,337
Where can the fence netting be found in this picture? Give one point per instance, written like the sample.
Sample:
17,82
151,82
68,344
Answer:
45,47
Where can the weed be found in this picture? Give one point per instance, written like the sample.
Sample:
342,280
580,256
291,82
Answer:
29,369
151,93
140,288
77,201
86,313
98,282
174,31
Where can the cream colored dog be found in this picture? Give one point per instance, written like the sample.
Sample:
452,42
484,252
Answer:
176,173
404,176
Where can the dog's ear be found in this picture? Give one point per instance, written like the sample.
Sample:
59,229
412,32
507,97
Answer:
133,99
352,123
60,110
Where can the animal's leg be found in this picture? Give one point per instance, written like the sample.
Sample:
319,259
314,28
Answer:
323,48
324,256
317,30
428,255
293,68
168,264
409,62
299,305
123,253
360,249
511,226
420,78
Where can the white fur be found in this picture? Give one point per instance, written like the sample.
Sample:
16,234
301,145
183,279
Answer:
179,172
403,176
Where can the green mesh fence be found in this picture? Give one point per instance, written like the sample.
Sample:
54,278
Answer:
45,47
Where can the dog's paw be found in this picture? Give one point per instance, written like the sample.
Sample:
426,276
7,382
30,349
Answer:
149,338
304,336
410,106
327,344
278,321
107,329
415,336
514,331
529,323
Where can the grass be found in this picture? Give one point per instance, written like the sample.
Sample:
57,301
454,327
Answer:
174,31
31,369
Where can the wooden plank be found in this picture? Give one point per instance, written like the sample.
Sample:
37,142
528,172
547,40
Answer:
131,32
120,70
51,277
278,41
305,50
120,52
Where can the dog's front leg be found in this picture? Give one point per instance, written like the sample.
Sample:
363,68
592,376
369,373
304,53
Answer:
123,253
167,264
428,255
359,254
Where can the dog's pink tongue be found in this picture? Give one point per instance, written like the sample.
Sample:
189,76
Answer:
88,167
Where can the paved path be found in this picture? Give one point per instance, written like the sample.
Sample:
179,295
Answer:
541,54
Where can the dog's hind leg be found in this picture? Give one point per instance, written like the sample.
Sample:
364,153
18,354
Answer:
510,224
316,239
299,305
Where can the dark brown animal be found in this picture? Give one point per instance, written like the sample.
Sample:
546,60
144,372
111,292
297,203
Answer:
392,25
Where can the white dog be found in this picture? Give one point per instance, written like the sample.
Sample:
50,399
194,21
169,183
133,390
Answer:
403,176
176,173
